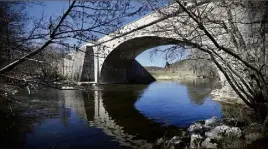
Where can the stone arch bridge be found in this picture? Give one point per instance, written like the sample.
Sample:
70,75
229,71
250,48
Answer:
111,59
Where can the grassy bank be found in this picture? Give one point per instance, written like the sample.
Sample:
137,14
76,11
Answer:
171,75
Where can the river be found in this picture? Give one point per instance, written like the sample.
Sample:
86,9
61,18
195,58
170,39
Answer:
107,116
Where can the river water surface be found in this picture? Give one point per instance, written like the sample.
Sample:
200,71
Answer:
107,116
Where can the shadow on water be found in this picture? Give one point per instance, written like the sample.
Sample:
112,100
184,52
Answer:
10,128
16,124
120,104
108,116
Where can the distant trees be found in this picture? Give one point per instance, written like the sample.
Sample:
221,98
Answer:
51,63
45,66
167,65
179,59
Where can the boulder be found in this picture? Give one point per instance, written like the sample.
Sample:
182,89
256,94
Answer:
222,131
196,140
233,132
159,143
176,142
195,128
217,132
207,143
212,121
212,133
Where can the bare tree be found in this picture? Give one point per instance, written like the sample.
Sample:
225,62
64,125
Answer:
233,35
12,21
202,64
82,21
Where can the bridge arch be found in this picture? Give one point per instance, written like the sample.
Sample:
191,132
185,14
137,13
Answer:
120,65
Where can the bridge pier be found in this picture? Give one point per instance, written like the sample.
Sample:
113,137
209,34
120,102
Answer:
82,65
96,67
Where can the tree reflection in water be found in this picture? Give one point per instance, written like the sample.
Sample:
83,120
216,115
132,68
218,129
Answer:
199,89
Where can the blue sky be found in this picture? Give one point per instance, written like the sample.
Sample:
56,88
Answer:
145,59
148,59
52,8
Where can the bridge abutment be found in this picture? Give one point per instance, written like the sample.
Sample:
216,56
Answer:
80,65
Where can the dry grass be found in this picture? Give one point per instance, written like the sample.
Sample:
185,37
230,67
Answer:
170,75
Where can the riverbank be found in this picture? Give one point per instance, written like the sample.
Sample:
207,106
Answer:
223,95
214,133
174,75
226,95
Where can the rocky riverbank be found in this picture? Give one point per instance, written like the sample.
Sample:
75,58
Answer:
226,95
213,133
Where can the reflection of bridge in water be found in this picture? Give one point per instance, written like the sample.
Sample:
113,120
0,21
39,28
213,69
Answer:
93,110
112,109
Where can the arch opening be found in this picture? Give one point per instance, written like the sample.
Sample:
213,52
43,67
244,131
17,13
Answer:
120,65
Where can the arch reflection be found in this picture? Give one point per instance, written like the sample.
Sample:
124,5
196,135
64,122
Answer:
116,121
112,109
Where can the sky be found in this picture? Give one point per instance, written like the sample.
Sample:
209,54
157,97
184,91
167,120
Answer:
145,59
148,59
50,8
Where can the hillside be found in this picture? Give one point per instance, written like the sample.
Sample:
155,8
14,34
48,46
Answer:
184,69
153,68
